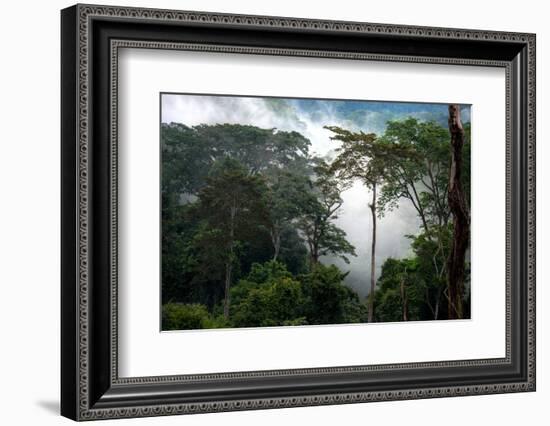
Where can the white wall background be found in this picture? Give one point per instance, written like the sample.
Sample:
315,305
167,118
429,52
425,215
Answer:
29,212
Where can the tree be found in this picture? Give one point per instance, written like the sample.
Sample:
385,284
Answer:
189,155
420,174
293,253
255,148
178,228
205,258
271,295
192,316
362,157
414,288
423,179
268,296
319,209
278,302
403,291
186,161
388,296
230,198
431,249
328,299
461,217
288,192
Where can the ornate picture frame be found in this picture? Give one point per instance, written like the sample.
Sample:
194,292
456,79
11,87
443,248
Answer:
91,37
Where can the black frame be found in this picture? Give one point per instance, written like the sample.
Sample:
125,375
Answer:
90,386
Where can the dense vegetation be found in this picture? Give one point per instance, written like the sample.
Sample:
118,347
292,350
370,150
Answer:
248,218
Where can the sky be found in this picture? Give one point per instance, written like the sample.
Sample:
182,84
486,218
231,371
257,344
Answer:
308,116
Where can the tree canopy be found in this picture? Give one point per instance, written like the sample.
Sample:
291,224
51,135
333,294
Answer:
250,225
237,198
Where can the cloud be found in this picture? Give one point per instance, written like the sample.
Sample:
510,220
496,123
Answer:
193,110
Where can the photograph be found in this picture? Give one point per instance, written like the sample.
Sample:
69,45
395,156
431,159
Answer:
301,212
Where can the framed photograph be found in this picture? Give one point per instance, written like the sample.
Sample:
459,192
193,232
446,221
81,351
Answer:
263,212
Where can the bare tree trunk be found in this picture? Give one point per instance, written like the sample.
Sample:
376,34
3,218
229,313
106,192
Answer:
404,301
314,257
229,262
418,206
228,271
436,313
372,256
461,218
276,241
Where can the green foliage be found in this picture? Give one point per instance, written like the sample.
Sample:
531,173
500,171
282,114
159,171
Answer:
189,152
267,272
270,304
423,277
400,292
365,157
329,301
293,252
319,210
178,316
271,296
232,200
357,156
287,194
388,305
205,257
185,160
268,296
177,228
249,211
362,156
206,168
421,176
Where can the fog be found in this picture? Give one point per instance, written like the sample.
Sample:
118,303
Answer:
308,117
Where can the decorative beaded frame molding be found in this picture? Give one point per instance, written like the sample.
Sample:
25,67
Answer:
83,406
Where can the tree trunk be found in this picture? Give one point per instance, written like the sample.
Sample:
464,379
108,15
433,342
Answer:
461,218
314,246
419,208
228,271
229,262
436,313
404,301
372,256
314,257
276,241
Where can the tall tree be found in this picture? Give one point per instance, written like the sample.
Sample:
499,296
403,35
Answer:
400,292
319,210
431,256
188,153
287,195
421,173
422,177
230,199
461,217
362,157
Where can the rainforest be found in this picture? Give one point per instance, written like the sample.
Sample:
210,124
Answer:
296,212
